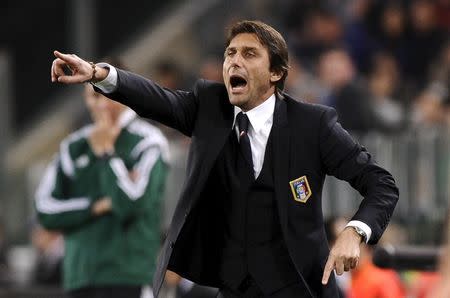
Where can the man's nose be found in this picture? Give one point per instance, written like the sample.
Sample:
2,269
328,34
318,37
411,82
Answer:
236,60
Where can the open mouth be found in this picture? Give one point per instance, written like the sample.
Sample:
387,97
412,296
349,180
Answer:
237,82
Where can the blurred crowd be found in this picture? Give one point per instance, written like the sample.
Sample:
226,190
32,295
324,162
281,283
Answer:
384,65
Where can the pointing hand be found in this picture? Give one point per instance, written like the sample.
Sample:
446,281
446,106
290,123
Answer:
81,70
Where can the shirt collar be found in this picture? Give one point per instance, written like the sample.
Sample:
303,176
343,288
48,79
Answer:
259,115
126,117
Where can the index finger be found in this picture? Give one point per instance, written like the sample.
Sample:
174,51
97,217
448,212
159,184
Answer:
329,266
66,57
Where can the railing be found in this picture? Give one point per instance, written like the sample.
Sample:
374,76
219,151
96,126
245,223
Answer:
420,163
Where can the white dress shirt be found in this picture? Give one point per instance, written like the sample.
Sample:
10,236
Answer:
261,120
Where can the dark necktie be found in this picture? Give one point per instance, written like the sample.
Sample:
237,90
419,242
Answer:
244,141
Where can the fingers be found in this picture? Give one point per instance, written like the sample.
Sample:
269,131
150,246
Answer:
57,69
339,265
70,59
69,79
329,266
81,70
52,74
354,263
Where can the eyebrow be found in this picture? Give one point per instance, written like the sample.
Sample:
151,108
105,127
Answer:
245,48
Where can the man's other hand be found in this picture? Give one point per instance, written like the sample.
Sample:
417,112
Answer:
344,254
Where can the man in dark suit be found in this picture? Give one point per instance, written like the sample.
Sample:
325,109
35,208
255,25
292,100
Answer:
249,220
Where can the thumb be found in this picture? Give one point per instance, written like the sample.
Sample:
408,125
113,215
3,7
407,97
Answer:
70,79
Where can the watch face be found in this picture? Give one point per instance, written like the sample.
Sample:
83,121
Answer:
361,233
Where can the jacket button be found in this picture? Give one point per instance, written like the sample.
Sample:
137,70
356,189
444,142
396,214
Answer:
186,214
172,244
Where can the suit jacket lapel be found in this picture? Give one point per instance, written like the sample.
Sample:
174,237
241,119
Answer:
216,132
281,154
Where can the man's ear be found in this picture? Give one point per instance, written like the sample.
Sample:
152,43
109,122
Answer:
275,77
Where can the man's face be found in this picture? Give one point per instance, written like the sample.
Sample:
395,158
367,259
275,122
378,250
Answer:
246,72
100,106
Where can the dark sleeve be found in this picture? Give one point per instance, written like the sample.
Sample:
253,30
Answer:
347,160
174,108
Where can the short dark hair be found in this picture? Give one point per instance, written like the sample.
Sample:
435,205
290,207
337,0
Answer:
269,38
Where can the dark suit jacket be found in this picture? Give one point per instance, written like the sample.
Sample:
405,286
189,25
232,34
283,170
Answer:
307,141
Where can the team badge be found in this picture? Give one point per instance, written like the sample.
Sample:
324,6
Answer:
300,189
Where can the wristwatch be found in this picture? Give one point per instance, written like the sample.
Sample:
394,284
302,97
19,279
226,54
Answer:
360,232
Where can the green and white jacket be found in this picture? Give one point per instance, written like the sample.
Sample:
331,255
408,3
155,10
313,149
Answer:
120,247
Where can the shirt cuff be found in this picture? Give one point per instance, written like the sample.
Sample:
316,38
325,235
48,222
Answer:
362,226
109,84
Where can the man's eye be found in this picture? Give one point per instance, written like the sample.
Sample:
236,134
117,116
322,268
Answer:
250,54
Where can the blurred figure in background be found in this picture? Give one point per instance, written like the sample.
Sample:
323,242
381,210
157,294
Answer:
357,35
425,40
302,84
345,93
211,69
391,33
50,248
319,31
168,73
383,81
103,193
428,108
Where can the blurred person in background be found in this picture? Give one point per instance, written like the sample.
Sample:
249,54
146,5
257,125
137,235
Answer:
50,254
249,220
391,32
302,84
428,110
383,82
358,39
211,69
320,30
425,40
345,92
440,78
168,73
103,192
